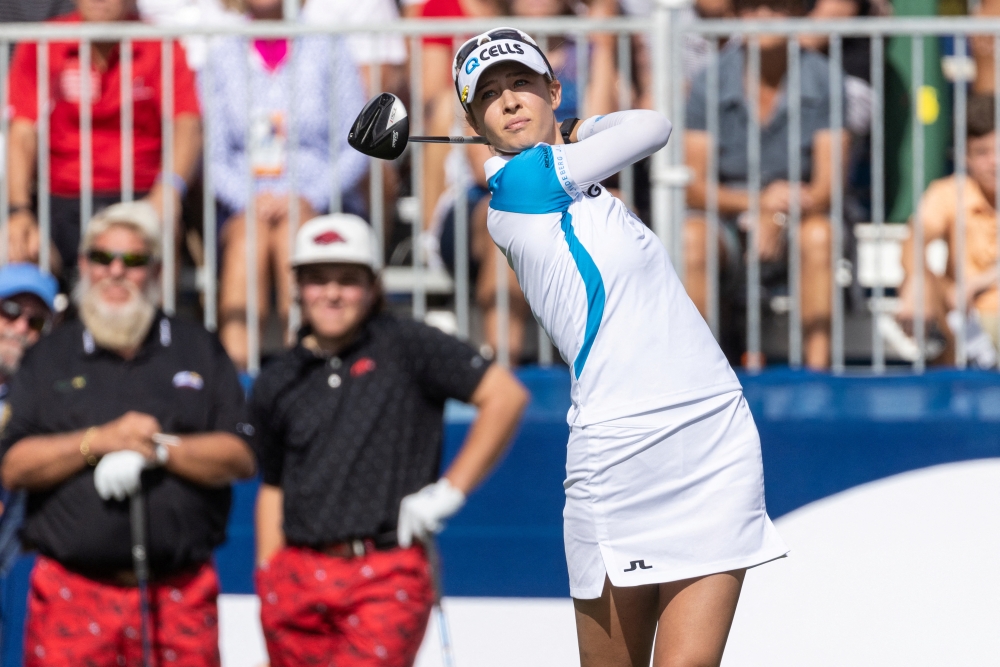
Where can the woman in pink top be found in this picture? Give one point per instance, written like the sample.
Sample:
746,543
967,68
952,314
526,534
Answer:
278,130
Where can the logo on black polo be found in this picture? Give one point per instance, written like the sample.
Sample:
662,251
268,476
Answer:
188,380
638,565
78,382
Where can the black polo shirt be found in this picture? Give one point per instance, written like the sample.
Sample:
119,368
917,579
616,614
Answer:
184,379
346,437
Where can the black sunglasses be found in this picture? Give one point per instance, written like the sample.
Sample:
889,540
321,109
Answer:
131,260
12,311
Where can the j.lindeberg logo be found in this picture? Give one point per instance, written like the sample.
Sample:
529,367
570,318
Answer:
638,565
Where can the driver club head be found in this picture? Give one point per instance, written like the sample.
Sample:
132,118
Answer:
381,129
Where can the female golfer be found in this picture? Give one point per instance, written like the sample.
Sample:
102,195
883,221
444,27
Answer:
664,487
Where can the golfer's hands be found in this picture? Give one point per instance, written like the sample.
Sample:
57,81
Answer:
118,474
132,431
422,514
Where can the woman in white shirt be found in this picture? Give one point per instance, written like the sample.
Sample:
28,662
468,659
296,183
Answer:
664,489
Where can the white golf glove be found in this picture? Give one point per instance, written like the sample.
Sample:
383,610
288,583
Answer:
422,514
117,475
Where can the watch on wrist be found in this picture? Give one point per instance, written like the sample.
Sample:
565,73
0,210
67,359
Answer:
566,128
162,454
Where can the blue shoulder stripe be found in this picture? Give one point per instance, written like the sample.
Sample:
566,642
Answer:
529,184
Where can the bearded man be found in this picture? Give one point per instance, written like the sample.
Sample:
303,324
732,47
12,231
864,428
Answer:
91,411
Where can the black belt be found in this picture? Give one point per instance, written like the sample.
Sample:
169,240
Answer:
127,578
357,547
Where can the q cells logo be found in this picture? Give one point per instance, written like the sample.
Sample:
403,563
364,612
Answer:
471,66
326,238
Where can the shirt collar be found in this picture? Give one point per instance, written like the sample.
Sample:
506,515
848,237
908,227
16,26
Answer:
364,336
160,335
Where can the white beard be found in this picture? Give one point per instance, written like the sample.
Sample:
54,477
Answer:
118,327
12,347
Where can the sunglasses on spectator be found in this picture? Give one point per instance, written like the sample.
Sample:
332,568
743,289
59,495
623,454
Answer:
12,311
131,260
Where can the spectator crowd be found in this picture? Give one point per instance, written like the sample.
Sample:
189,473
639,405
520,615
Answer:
278,112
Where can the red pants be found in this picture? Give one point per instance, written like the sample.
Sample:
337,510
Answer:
349,612
74,621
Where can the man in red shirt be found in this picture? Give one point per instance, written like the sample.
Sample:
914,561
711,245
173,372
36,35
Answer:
64,86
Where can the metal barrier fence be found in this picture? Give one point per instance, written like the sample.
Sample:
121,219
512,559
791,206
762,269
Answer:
877,30
126,34
668,177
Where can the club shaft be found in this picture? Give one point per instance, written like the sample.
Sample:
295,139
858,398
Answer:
448,140
140,564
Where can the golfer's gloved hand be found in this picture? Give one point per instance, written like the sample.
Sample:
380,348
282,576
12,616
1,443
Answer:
117,475
422,514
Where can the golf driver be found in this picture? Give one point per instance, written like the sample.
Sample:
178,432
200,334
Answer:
140,565
382,130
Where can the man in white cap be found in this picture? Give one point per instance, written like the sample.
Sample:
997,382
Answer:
126,400
348,431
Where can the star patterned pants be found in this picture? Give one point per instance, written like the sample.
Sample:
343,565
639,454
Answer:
345,612
75,621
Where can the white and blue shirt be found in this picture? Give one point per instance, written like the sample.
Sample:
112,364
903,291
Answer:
597,279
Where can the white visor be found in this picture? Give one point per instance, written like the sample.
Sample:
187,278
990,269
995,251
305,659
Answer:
491,52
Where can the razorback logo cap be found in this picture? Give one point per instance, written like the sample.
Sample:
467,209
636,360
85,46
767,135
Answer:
491,48
338,238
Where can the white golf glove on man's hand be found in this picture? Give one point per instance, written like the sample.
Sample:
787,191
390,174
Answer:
117,474
423,513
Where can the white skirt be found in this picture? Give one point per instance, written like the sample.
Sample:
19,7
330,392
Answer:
667,495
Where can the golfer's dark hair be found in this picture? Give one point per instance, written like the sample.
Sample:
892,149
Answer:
980,119
790,7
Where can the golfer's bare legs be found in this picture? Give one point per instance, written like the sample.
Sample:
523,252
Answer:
693,618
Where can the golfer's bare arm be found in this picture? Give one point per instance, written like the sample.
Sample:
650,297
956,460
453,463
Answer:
211,459
270,516
37,463
40,462
501,399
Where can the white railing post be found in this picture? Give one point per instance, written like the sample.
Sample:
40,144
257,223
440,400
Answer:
669,175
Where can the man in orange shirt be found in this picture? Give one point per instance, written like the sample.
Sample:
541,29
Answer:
939,208
65,92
